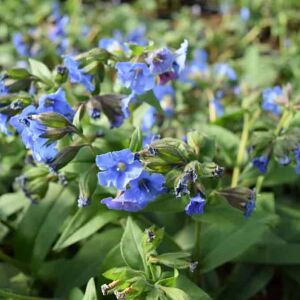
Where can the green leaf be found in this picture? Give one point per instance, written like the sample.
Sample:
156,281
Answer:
246,281
76,294
41,71
150,98
131,246
174,260
90,292
175,294
122,274
192,290
18,73
11,203
41,224
136,140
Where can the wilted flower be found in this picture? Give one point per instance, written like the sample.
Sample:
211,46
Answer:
270,100
196,205
260,163
118,168
77,75
135,76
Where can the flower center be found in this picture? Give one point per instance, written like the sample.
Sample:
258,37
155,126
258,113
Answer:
121,167
143,185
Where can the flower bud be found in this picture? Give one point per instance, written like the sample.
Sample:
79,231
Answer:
61,75
241,198
52,120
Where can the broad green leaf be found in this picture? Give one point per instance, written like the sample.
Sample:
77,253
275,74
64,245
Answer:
41,71
76,294
41,224
80,228
175,294
131,246
90,292
246,281
18,73
191,289
122,274
11,203
86,263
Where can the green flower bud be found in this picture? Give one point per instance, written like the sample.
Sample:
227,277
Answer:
52,120
61,75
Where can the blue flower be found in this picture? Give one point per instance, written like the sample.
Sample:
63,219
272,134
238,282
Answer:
165,94
284,160
118,168
146,187
149,119
245,14
297,156
42,151
149,138
135,76
180,59
3,117
250,204
224,70
160,61
137,36
58,35
21,47
112,45
260,163
77,75
270,100
195,206
56,102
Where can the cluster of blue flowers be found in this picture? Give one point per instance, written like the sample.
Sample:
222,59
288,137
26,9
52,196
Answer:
136,187
31,130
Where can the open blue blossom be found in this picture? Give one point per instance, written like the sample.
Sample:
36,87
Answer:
160,61
270,100
225,71
118,168
297,157
142,190
166,96
77,75
56,102
135,76
195,206
250,204
245,13
112,45
261,163
20,45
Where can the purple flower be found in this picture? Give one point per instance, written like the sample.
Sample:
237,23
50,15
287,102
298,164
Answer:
160,61
135,76
224,70
118,168
77,75
56,102
142,190
195,206
270,100
261,163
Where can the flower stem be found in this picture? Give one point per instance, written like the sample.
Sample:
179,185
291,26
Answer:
241,151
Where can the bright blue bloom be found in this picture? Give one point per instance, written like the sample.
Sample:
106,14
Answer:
297,156
112,45
56,102
149,119
250,205
160,61
142,190
21,47
195,206
137,36
245,14
135,76
270,100
224,70
261,163
166,95
180,58
77,75
42,151
118,168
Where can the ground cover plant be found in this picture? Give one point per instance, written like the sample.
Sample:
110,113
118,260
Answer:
149,150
